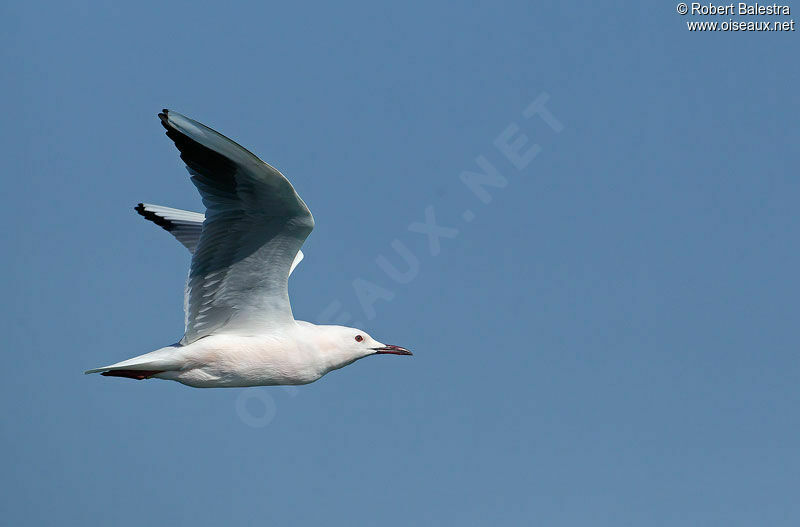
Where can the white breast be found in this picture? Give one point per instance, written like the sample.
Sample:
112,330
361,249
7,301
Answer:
237,361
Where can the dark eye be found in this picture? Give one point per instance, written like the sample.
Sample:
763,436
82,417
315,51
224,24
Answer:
359,338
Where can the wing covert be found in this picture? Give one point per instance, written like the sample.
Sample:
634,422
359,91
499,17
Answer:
255,224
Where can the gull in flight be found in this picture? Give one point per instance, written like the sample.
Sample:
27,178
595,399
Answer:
240,330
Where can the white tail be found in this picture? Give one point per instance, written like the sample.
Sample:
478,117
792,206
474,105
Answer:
160,360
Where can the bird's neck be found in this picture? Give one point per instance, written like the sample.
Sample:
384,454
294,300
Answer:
325,343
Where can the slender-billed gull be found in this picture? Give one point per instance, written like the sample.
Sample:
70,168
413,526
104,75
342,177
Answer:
240,330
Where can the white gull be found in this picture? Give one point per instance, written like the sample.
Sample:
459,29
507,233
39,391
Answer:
240,330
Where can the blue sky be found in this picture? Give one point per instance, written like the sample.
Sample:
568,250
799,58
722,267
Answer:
610,340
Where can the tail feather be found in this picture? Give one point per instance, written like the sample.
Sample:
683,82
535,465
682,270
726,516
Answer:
144,366
131,374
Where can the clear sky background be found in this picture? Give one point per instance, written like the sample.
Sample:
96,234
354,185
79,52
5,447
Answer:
612,340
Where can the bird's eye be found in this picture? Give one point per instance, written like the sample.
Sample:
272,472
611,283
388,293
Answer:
359,338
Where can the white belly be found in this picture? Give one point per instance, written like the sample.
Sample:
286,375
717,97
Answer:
231,361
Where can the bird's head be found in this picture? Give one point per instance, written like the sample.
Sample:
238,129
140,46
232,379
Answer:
346,345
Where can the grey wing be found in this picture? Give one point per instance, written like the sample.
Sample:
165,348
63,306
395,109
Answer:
255,224
184,225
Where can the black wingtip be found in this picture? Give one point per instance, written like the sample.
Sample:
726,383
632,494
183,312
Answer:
164,116
155,218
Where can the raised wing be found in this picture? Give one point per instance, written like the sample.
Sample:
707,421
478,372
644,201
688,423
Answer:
184,225
254,226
